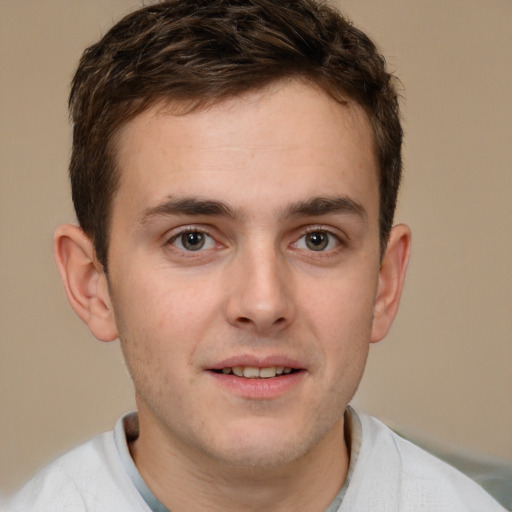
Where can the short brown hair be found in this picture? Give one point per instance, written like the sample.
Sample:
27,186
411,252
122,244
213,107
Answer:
207,50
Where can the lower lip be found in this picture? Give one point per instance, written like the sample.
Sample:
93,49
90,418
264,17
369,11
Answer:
259,389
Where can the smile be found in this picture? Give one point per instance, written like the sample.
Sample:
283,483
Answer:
254,380
251,372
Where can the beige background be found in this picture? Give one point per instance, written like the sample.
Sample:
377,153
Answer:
445,371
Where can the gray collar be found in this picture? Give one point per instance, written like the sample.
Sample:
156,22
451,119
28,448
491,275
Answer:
127,430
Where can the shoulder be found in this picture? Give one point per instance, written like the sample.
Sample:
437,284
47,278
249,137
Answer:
89,477
392,473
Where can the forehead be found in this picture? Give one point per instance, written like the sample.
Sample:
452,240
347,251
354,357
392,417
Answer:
283,143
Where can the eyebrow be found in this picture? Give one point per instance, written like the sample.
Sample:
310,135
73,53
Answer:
319,206
190,206
314,207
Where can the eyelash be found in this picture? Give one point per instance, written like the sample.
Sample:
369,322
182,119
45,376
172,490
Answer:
332,237
324,253
185,231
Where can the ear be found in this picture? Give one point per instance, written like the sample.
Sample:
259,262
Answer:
391,281
84,280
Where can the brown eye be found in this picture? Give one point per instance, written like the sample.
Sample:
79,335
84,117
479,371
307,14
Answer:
193,241
317,240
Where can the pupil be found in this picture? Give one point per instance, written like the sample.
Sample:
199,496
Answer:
192,241
317,241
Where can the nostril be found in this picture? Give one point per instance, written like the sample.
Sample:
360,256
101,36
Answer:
244,320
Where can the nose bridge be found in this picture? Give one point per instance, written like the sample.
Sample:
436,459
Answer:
261,290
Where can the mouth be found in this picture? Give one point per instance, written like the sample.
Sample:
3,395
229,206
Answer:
252,372
264,378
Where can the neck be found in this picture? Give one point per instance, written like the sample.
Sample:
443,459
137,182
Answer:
188,482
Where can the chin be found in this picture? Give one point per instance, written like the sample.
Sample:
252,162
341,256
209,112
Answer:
266,448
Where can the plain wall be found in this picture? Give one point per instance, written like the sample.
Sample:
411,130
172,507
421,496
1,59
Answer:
445,370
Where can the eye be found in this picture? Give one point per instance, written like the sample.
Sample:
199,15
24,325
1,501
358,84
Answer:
192,241
317,241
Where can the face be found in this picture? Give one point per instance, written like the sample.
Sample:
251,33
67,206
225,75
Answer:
244,267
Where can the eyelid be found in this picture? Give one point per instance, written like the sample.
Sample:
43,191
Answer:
333,233
336,233
175,233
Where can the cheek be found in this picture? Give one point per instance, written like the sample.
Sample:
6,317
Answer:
341,317
153,298
345,300
164,318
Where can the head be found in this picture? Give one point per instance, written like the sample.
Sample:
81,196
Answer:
235,168
202,52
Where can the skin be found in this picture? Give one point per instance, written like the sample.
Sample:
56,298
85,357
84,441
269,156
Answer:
262,179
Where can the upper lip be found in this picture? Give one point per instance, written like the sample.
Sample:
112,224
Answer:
257,362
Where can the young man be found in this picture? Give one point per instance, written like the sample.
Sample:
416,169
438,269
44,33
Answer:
235,169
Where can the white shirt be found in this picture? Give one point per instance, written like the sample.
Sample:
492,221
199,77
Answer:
387,473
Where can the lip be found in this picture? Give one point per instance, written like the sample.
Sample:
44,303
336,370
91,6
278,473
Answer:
258,362
258,389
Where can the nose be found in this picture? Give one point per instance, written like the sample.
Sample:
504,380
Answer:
260,292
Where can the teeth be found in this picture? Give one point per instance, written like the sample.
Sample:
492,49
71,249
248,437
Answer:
251,372
267,373
238,371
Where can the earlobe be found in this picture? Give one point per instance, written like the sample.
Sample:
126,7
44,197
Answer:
84,281
391,281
